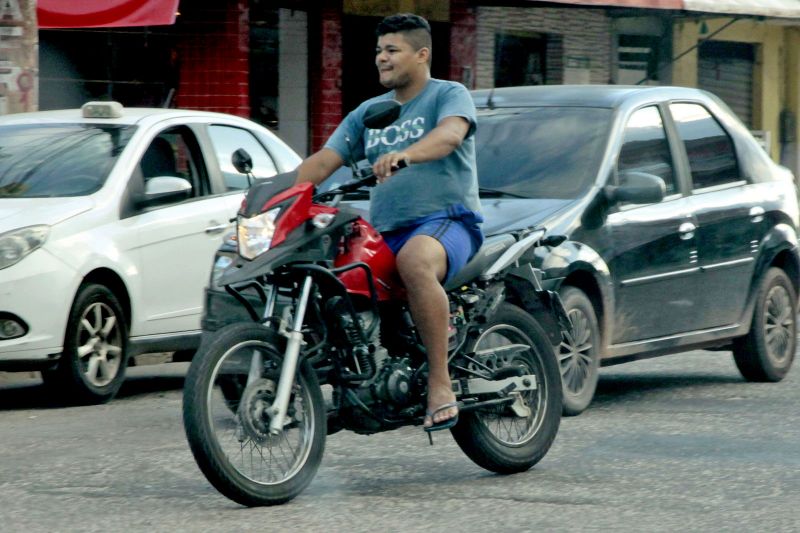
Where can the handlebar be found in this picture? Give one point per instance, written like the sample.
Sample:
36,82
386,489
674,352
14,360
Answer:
366,178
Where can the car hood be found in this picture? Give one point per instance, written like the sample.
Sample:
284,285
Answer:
502,215
22,212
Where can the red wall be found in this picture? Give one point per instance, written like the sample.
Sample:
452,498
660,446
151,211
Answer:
463,41
213,51
326,93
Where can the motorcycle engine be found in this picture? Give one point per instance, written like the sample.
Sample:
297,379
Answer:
388,392
393,382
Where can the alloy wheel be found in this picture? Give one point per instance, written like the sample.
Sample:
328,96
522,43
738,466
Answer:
778,323
99,344
575,352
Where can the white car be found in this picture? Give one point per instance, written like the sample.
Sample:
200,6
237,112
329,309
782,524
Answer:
109,220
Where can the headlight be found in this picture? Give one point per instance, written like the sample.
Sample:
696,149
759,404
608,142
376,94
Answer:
14,245
221,264
255,234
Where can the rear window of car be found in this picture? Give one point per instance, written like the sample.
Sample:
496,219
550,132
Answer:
541,152
55,160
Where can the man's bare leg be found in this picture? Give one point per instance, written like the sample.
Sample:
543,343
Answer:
422,263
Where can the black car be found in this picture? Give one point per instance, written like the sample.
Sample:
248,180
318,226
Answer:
681,232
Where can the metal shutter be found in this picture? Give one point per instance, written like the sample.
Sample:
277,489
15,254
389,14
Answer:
727,71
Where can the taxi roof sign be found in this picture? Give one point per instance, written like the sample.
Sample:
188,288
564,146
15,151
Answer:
101,110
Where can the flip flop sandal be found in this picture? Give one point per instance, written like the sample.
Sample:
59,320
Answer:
445,424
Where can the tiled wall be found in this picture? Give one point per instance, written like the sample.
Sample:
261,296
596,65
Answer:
214,55
326,98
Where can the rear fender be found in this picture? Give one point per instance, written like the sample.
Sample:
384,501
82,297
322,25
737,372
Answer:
778,248
524,289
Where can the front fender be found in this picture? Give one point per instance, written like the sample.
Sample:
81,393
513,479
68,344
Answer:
578,264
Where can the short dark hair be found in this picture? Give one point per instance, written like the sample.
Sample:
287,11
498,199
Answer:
414,28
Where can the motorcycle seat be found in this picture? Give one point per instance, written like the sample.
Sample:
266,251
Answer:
492,248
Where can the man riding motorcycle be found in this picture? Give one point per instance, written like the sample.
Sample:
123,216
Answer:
428,214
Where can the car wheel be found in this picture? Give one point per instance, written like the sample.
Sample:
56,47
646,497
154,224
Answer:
579,352
767,351
92,367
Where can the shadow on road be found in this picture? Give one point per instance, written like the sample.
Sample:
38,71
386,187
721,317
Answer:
137,385
618,388
30,393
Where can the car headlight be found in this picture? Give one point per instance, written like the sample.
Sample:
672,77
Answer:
16,244
255,233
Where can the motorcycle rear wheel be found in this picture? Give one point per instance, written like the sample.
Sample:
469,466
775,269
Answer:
495,438
229,437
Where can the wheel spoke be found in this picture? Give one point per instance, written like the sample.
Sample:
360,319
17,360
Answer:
92,369
114,350
85,350
88,326
110,322
104,373
97,321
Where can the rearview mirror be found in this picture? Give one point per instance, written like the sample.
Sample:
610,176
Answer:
381,114
638,188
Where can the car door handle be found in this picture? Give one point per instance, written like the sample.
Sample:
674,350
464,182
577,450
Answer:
756,214
216,228
687,230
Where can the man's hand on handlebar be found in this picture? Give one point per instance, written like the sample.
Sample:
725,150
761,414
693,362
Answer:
388,164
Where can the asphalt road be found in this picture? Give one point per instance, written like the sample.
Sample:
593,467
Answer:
680,443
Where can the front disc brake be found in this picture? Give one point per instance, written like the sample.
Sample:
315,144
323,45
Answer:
253,411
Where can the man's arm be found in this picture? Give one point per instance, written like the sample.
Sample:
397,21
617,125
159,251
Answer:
319,166
438,143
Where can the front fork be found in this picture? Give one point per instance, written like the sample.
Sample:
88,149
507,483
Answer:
289,366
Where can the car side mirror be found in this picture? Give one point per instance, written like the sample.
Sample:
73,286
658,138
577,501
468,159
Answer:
164,189
638,188
242,161
381,114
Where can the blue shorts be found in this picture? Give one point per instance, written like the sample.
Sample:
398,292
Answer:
456,228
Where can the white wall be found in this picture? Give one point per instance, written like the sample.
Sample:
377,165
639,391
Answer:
293,80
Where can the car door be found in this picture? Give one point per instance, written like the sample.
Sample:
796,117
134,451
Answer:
654,258
729,214
177,240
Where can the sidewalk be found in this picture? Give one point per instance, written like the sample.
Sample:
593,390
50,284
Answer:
17,377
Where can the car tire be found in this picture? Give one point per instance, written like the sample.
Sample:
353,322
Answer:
579,352
767,351
92,366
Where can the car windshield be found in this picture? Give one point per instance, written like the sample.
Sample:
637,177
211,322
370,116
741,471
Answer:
541,152
53,160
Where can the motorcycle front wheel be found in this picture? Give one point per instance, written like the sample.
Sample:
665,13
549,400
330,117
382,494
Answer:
497,438
229,390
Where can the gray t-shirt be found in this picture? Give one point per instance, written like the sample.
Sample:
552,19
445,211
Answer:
424,188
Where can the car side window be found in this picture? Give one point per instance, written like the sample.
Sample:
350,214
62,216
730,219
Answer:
228,139
174,153
712,158
645,148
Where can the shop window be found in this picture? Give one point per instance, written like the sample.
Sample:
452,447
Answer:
519,59
264,48
637,59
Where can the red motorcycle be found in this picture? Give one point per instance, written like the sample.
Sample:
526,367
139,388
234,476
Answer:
331,345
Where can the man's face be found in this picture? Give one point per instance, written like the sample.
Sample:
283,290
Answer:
397,61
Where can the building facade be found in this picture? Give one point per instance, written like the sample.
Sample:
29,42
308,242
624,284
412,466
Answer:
300,66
